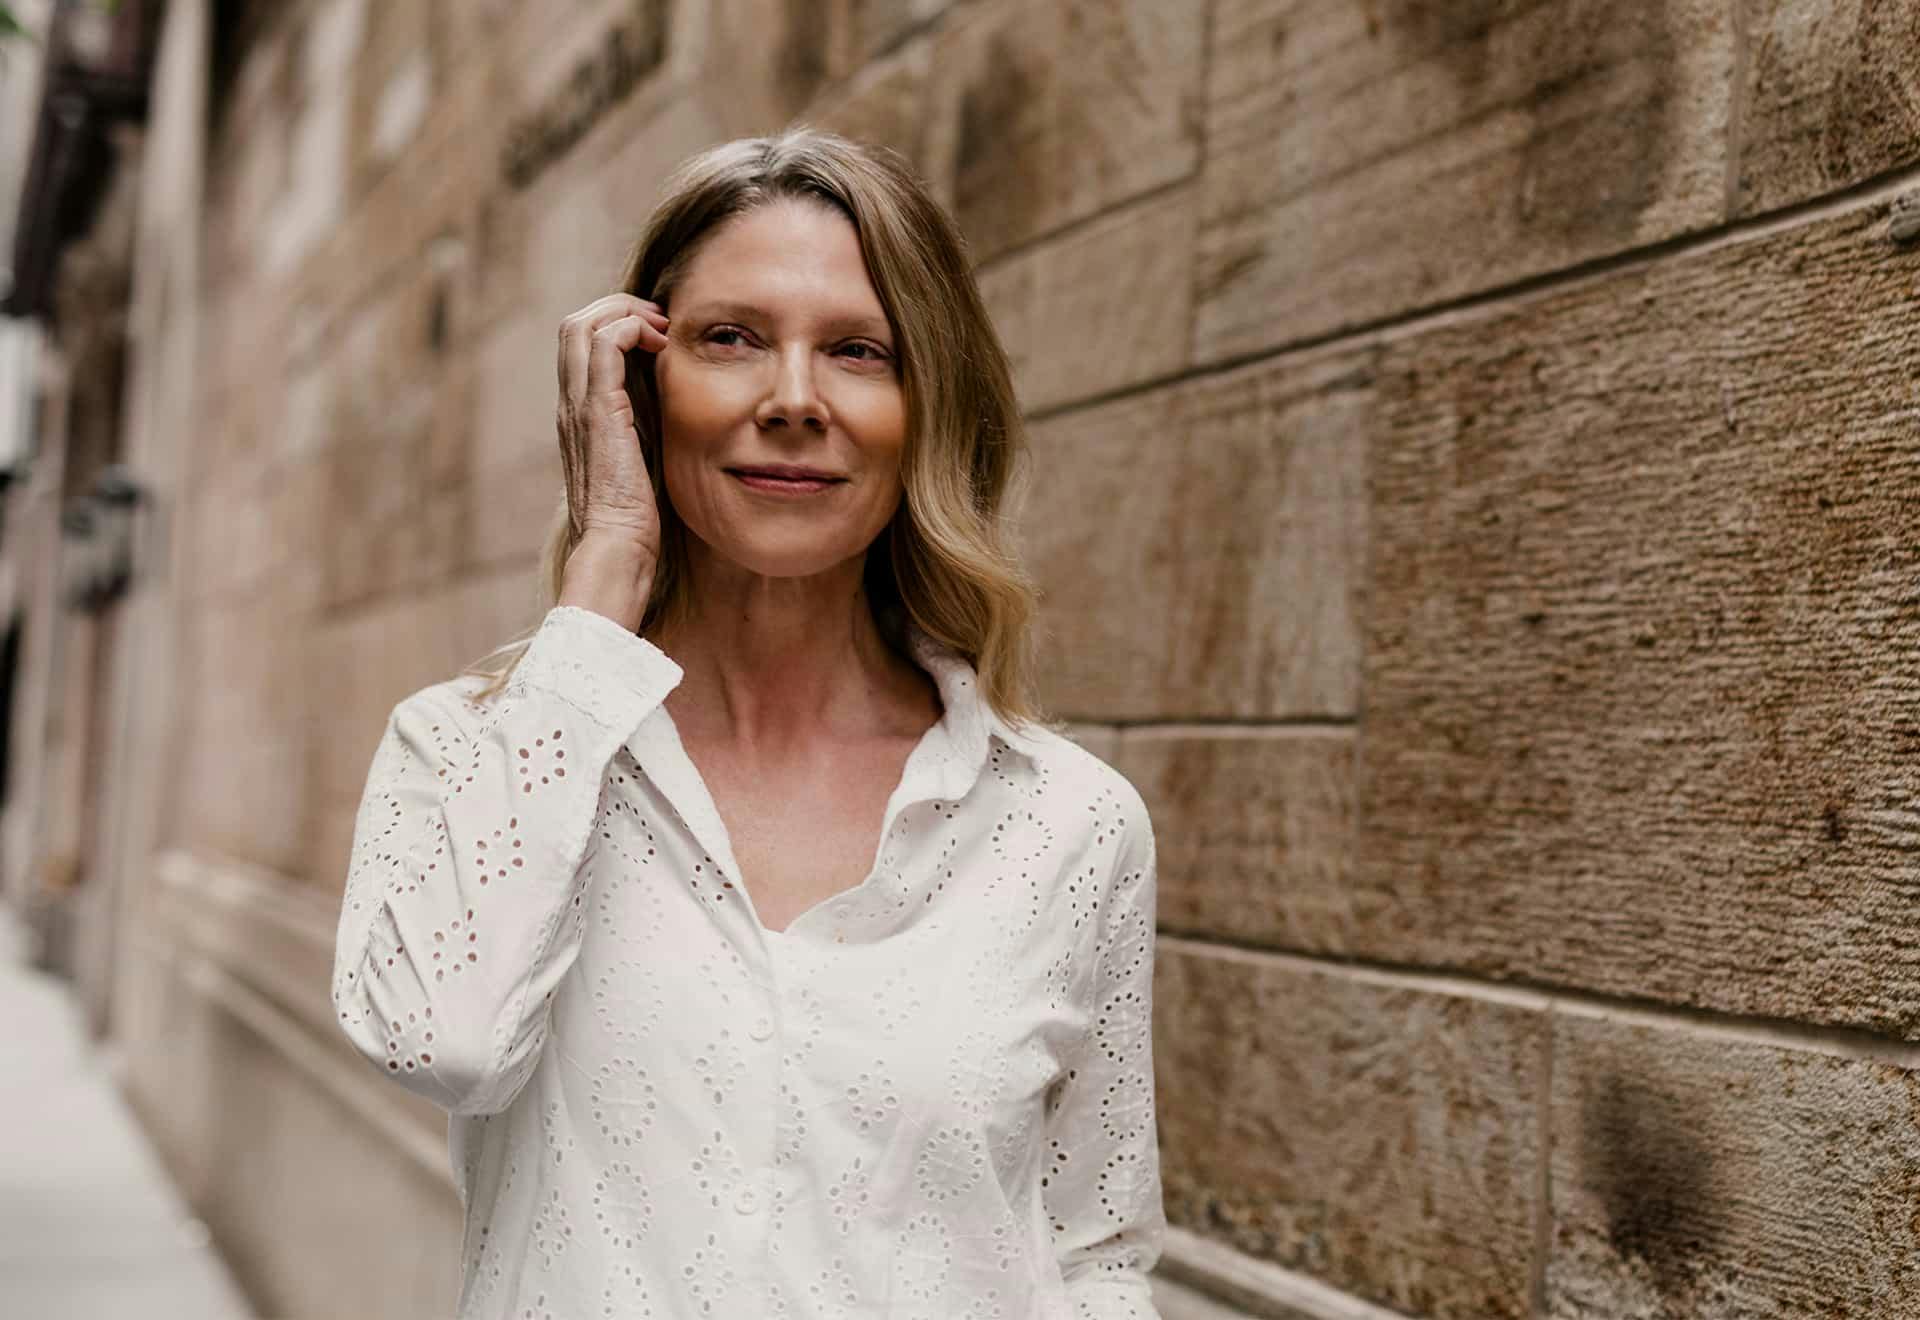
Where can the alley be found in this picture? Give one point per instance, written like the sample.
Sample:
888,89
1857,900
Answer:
90,1226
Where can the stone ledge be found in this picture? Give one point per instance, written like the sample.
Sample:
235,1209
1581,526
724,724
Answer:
254,942
1199,1269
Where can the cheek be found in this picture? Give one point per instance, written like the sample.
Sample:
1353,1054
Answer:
879,418
693,404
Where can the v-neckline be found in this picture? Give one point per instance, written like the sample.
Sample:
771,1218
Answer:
682,779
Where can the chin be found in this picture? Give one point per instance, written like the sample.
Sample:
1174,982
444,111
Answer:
781,557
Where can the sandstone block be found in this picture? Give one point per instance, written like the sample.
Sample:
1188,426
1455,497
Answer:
1103,306
1642,652
1727,1179
885,103
1365,160
1832,97
509,508
1046,114
1200,546
1382,1139
1255,831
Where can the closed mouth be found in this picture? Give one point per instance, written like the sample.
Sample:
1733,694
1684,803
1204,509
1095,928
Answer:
764,475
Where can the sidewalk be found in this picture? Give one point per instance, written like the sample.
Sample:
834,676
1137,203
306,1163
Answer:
90,1227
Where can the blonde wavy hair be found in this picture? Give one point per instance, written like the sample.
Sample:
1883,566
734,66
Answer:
944,561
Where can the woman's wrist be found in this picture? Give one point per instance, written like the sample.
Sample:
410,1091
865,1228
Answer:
608,578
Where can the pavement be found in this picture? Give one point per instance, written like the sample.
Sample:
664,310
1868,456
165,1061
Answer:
91,1228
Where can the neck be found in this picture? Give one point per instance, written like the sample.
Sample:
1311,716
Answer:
774,665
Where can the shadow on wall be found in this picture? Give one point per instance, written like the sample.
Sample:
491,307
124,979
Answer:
1585,171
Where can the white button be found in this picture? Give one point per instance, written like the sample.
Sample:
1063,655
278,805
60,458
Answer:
762,1027
746,1203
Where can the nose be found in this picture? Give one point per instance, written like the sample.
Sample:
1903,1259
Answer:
794,397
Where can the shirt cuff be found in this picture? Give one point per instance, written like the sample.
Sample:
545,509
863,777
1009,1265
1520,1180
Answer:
595,665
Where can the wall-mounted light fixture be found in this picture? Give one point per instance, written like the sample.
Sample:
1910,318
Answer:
98,533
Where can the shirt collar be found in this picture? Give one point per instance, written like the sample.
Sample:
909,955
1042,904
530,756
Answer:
969,719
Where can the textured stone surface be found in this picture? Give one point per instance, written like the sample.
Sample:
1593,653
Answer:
516,480
224,1101
1254,829
360,664
1832,96
515,392
1366,159
392,87
431,190
242,779
1715,1178
869,29
512,506
386,470
1102,307
1202,545
791,48
1047,113
1380,1138
1103,740
1643,650
885,103
1573,640
555,247
1228,1283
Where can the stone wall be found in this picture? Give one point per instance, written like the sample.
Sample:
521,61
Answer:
1477,455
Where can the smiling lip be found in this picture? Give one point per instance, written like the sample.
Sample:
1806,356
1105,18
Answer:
787,471
761,480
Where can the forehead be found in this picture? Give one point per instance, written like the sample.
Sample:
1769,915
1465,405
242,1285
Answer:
783,260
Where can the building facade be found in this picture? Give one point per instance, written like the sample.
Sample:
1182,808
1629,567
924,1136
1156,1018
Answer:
1477,491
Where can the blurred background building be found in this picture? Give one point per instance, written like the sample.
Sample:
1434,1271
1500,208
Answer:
1478,494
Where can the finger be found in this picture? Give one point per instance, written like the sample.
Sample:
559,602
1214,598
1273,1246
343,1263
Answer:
611,305
653,332
607,364
576,333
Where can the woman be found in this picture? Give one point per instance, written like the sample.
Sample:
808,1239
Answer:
771,958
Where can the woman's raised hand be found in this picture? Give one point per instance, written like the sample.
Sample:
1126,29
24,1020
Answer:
609,495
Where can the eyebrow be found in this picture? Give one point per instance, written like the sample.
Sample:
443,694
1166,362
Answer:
845,321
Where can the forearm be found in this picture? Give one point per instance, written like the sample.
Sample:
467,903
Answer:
465,902
610,576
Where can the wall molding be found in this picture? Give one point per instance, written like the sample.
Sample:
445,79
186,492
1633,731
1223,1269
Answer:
1258,1288
259,945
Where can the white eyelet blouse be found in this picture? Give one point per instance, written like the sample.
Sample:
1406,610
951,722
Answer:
930,1096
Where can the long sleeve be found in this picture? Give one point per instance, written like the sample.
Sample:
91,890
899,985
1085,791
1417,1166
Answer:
1102,1186
464,903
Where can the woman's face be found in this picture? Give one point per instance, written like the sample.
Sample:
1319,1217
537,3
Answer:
779,353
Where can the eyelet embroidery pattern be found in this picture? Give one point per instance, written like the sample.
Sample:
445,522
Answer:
622,1206
715,1170
623,1101
626,1296
933,1099
977,1073
952,1162
923,1259
847,1197
833,1290
871,1099
709,1277
626,1001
